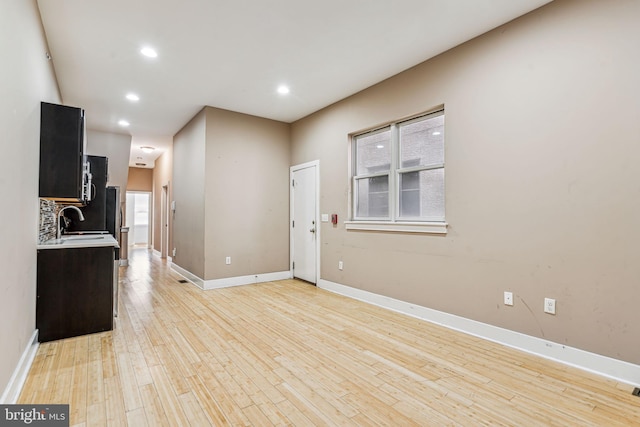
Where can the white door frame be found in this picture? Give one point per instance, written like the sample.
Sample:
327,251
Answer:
164,221
292,169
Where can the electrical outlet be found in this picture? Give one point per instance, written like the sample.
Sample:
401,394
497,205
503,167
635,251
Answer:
550,305
227,260
508,298
173,252
340,265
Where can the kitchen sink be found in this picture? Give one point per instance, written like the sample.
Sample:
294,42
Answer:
82,237
79,241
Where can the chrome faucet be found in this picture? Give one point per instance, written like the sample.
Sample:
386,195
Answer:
80,216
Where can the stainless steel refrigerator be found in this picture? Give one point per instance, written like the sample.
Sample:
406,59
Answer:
114,212
114,221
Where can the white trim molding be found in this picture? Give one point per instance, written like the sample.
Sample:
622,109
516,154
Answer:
246,280
398,227
158,254
230,281
615,369
14,387
188,275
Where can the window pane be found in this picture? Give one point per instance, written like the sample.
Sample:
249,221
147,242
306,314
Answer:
422,142
373,152
373,197
422,195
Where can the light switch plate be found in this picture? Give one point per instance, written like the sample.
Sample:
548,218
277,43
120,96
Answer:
325,217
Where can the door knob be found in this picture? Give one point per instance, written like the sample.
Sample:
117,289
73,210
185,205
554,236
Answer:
313,230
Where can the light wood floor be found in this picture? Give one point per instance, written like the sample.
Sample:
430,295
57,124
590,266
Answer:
287,353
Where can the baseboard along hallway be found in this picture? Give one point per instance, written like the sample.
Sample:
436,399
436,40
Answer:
289,353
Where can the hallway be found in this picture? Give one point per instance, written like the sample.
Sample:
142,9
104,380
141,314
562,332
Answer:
288,353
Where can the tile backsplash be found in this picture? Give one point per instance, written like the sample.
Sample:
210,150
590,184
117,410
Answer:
48,211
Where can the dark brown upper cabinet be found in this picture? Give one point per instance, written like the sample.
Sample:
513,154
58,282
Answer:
62,153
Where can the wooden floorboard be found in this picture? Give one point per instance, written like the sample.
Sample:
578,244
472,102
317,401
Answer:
289,354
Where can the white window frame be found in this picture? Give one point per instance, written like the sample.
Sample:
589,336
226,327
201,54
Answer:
389,173
392,223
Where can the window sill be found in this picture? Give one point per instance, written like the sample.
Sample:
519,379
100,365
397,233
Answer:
398,227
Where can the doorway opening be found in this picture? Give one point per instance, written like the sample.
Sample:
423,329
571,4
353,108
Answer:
138,219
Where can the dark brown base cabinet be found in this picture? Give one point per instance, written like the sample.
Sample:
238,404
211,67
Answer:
75,292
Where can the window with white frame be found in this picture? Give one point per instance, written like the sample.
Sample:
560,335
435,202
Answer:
398,172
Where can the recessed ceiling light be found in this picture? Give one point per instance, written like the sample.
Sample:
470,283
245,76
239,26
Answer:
436,133
133,97
283,90
123,123
149,52
147,149
379,146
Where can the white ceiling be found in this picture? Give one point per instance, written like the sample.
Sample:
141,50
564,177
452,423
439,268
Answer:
234,54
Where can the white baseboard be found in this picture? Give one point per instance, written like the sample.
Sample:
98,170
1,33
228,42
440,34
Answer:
158,254
188,275
231,281
246,280
608,367
13,389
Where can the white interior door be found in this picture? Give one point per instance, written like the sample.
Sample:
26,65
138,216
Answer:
304,226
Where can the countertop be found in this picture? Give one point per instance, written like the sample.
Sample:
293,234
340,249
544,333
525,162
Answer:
80,241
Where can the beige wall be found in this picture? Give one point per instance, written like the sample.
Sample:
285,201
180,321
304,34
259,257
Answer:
26,79
247,195
162,176
116,147
230,175
140,179
542,185
189,195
